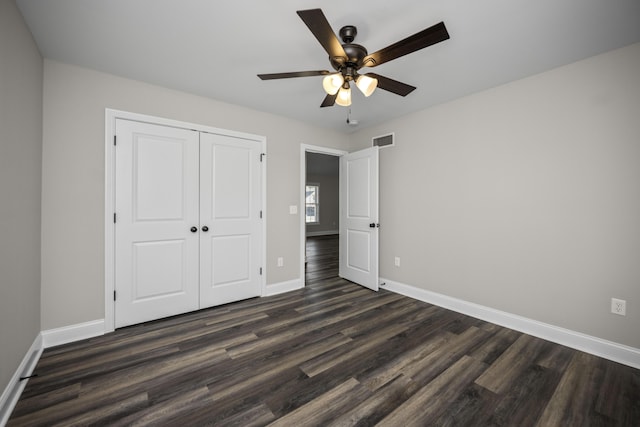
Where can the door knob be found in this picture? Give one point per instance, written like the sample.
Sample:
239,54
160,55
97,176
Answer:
205,228
194,229
372,225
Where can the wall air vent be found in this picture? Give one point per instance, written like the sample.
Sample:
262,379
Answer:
384,140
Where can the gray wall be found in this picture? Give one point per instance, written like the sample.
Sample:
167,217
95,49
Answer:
20,178
524,198
73,179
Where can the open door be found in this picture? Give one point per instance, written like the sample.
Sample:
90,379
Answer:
359,217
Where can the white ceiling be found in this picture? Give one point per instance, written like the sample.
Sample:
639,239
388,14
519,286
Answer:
215,49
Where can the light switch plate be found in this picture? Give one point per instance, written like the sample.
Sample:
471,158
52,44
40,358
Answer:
293,209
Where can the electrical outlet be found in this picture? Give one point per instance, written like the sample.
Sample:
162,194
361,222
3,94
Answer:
619,306
280,261
396,261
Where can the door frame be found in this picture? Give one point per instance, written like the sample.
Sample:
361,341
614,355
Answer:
111,116
304,149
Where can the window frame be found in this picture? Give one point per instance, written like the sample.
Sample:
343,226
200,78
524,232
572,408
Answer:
316,204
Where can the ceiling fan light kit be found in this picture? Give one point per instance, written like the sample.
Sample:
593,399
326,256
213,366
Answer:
332,83
348,58
344,95
366,84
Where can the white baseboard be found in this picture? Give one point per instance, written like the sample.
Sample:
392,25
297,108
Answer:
620,353
282,287
322,233
13,390
67,334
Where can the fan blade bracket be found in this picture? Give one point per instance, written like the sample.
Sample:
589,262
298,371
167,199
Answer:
369,62
338,62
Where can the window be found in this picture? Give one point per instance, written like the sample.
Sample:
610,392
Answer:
312,204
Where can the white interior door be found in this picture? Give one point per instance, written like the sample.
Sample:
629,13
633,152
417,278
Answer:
156,203
359,217
231,228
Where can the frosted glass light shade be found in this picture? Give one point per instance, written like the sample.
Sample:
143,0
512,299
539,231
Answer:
332,83
366,84
344,96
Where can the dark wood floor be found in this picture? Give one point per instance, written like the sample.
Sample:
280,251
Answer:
333,353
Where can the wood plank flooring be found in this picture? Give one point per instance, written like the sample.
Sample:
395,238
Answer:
333,353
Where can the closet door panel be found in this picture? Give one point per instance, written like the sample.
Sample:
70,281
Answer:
230,202
156,253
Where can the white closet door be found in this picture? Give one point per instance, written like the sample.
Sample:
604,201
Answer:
156,257
230,203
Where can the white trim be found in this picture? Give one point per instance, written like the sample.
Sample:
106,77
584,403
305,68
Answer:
14,389
304,149
322,233
109,195
282,287
620,353
109,226
263,208
71,333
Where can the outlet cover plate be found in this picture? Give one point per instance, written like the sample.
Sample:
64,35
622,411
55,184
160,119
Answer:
618,306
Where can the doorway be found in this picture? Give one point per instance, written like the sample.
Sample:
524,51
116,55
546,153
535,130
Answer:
323,221
322,211
358,214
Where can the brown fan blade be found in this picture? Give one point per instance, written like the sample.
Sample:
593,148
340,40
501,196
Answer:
329,100
319,26
430,36
391,85
294,74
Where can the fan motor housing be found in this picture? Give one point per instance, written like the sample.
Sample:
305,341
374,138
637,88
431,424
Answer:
355,52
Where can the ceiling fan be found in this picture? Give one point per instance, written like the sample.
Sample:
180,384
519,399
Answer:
348,58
